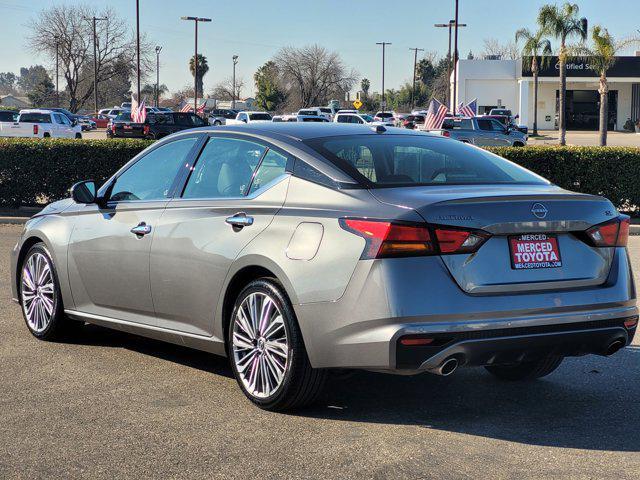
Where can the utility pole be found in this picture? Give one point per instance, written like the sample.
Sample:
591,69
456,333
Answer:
449,58
233,88
455,63
57,39
383,103
95,61
195,60
158,50
415,63
138,50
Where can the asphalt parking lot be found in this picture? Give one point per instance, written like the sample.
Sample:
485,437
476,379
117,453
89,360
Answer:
111,405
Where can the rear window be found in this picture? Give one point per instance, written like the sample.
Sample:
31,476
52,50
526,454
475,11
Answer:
259,116
409,160
384,115
123,117
35,118
8,116
308,112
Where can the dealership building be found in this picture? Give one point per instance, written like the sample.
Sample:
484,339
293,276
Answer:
509,84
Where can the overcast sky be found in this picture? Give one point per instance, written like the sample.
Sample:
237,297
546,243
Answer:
256,29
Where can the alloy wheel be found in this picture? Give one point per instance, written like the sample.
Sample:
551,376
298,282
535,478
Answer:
38,292
260,345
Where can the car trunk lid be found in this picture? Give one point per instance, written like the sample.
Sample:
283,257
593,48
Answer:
521,219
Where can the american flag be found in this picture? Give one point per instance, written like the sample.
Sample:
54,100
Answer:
470,109
187,108
139,115
435,115
201,107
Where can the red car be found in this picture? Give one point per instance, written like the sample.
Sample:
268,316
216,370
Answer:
101,120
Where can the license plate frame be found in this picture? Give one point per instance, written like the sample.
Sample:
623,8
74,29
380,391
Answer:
534,258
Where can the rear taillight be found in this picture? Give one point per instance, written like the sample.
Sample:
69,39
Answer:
386,239
113,127
614,233
145,130
631,322
446,133
35,129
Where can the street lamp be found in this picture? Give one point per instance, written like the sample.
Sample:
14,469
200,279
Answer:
415,62
233,92
95,61
382,102
195,20
449,25
158,50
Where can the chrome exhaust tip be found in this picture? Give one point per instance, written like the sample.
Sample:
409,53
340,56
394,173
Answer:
447,367
614,347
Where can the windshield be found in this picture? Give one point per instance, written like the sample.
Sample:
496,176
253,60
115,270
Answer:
409,160
123,117
384,115
259,116
367,118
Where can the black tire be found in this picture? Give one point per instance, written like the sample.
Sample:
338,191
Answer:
59,326
78,136
527,370
518,144
301,384
217,123
46,135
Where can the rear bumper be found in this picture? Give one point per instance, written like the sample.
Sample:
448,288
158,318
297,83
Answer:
508,346
389,299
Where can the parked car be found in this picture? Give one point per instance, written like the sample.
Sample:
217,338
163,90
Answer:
295,249
112,113
249,117
156,125
414,120
40,123
86,123
387,118
481,131
219,116
100,120
501,111
509,122
326,112
357,118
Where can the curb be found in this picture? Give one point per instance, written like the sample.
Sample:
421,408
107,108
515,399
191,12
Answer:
13,220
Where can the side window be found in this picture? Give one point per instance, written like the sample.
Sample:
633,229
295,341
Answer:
343,118
65,119
485,125
357,120
150,178
273,165
497,126
224,169
56,118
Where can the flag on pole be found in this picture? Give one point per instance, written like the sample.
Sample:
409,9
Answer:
435,115
201,107
134,108
187,108
470,109
141,113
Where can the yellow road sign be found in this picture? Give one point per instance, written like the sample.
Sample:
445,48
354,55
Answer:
357,104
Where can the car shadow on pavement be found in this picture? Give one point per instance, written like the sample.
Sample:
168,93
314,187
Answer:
106,337
585,404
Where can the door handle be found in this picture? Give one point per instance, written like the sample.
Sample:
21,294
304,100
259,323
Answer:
240,220
141,229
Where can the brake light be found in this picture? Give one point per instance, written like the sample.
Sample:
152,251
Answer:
145,130
614,233
386,239
35,129
446,133
113,127
631,322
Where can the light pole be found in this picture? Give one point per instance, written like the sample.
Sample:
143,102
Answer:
158,50
382,102
95,61
57,39
195,60
455,62
449,26
415,63
233,87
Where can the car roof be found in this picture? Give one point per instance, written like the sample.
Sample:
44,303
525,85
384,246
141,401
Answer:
307,130
37,110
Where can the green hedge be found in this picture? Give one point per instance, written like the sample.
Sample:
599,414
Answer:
35,171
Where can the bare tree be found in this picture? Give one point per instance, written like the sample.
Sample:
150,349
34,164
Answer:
71,28
312,75
505,51
224,89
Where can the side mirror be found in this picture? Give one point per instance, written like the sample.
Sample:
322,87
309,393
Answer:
84,192
244,120
517,116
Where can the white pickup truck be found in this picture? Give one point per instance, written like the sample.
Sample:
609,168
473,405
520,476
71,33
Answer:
249,117
35,123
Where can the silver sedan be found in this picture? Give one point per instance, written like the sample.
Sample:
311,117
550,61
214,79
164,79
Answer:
295,249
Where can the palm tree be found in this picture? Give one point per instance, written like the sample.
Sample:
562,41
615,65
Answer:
602,56
534,46
203,68
562,23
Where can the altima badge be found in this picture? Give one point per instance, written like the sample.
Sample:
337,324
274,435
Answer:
539,210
